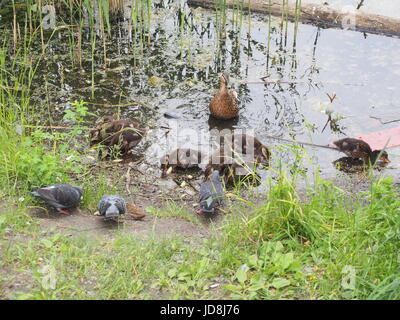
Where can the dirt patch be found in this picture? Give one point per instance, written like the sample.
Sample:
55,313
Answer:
79,222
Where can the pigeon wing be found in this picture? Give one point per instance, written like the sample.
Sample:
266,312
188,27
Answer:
48,196
205,191
121,205
103,205
208,199
218,191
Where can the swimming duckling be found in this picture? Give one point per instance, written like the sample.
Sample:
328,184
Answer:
123,134
359,149
224,105
183,158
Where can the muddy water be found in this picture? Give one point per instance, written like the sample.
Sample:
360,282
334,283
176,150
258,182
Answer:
178,74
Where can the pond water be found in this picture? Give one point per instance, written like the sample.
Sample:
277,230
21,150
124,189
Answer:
178,73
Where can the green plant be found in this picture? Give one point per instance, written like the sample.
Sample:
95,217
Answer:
269,268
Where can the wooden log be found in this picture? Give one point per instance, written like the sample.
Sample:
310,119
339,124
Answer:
321,15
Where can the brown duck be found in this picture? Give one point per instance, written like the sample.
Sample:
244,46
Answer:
124,134
359,149
182,158
224,105
241,145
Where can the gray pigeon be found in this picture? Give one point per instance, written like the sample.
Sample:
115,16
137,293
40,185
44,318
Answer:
59,196
211,194
112,206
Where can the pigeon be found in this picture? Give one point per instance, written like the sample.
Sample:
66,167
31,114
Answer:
59,196
211,194
112,206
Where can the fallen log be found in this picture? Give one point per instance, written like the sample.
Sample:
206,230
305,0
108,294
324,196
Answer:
321,15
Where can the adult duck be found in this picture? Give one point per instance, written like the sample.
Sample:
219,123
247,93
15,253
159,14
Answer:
224,105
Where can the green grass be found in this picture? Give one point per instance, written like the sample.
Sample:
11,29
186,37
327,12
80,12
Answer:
341,242
325,247
172,209
87,267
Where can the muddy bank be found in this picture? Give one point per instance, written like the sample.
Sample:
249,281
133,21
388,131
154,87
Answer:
322,15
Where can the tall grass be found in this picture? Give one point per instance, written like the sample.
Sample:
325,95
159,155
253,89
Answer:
31,157
328,230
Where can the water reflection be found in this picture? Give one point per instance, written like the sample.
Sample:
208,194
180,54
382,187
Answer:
218,124
188,51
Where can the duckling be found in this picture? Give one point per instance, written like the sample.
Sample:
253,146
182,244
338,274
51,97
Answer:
248,145
247,152
224,105
231,168
183,158
124,134
359,149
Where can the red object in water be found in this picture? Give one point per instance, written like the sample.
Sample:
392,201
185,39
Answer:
385,139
